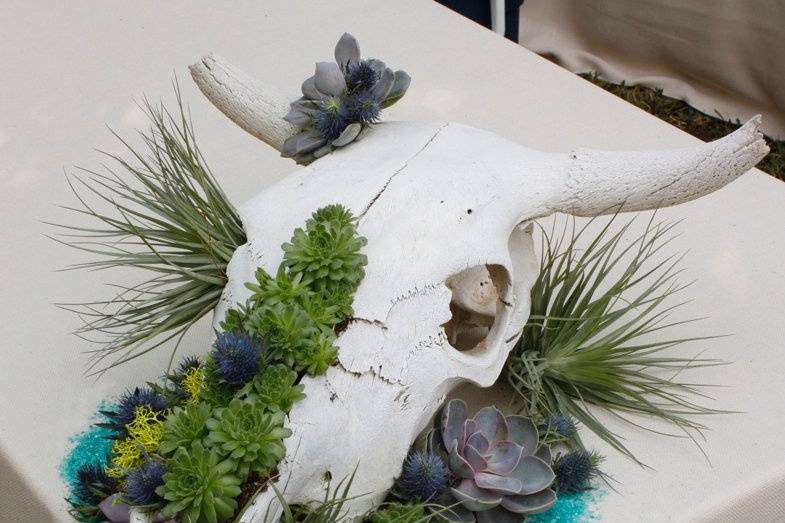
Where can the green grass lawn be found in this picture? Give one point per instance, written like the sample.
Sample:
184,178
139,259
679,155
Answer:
687,118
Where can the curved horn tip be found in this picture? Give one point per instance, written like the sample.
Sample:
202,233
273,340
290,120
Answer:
256,107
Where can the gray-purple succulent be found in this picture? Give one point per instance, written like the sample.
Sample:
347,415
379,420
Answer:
503,472
339,100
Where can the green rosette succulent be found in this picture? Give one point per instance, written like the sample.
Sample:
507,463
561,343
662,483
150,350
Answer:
319,354
183,426
249,435
199,486
503,472
327,251
276,388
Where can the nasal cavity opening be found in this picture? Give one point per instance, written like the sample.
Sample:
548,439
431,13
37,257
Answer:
477,303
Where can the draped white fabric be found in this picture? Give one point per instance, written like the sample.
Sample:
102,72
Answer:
722,56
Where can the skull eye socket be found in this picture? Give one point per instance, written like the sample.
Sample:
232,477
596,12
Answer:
476,303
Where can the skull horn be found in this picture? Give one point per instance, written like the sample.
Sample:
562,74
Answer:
597,182
258,108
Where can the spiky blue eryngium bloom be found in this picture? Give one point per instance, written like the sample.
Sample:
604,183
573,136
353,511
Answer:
361,76
561,424
142,481
574,470
331,117
125,412
186,364
236,358
364,107
425,476
92,485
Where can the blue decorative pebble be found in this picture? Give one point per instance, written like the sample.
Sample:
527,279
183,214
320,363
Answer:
91,446
572,508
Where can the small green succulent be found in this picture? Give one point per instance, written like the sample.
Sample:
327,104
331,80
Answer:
248,434
287,328
183,426
199,486
319,354
327,252
398,513
275,387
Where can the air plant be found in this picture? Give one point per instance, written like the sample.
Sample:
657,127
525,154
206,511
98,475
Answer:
167,216
588,337
339,100
503,472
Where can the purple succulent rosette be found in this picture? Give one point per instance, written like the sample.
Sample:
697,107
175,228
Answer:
502,471
339,100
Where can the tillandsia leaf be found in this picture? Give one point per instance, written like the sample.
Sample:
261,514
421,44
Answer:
329,510
598,331
167,216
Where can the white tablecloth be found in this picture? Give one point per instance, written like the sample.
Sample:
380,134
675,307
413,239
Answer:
71,68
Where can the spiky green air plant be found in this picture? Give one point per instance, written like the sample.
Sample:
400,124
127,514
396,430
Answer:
589,337
183,426
329,510
503,472
276,388
167,216
246,433
339,100
199,486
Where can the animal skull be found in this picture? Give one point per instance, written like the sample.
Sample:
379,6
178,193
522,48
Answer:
445,208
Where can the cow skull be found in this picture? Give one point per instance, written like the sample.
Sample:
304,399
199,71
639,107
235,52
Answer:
446,210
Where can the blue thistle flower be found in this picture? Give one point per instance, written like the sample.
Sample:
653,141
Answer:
425,476
92,485
361,76
125,411
561,424
236,358
187,363
574,470
142,481
331,118
364,107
